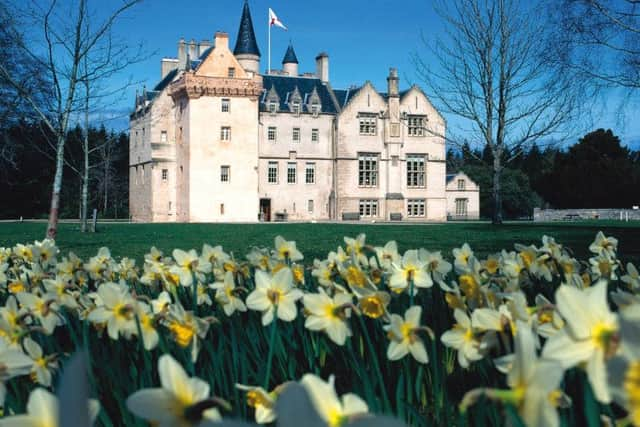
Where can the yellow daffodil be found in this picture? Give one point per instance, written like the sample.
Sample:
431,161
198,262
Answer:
404,337
274,293
589,335
333,410
148,329
329,314
180,402
262,402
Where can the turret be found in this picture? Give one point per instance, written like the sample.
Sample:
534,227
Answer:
246,50
290,62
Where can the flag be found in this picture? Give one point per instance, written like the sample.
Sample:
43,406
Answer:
273,20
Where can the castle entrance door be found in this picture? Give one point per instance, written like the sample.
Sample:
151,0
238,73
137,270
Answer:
265,210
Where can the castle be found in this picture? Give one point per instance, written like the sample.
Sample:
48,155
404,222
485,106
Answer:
217,141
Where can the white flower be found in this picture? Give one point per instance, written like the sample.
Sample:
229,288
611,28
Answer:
589,334
412,270
275,293
42,366
388,254
328,314
463,339
117,310
262,402
403,334
173,404
603,244
286,250
332,410
226,296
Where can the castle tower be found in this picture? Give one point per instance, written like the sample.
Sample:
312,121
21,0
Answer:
290,62
246,50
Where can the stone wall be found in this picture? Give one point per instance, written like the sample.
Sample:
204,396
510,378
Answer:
578,214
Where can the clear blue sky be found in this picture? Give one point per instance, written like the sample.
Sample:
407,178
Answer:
362,37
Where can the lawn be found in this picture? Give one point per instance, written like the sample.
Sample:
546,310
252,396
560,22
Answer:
316,240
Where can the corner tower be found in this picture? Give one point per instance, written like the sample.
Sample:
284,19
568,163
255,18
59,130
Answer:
290,62
246,50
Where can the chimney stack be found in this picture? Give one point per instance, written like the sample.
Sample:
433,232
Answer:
204,45
182,53
322,66
167,65
392,83
221,40
193,50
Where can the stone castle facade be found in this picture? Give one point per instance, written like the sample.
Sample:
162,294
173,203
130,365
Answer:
216,141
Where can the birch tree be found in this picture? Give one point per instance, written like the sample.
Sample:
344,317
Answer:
494,72
67,41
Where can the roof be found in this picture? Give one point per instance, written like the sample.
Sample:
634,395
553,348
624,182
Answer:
345,95
285,86
290,56
246,41
166,80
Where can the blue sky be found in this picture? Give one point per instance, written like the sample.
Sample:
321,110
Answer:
363,38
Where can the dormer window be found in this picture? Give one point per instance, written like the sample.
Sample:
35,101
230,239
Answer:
315,108
273,107
295,107
231,72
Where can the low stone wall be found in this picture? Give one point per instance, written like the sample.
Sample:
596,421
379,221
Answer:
579,214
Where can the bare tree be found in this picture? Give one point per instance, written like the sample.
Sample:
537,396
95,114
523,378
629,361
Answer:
494,71
602,40
67,41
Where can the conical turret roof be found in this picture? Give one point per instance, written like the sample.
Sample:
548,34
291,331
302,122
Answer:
290,56
246,41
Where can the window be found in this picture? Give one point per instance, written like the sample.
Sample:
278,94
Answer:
310,206
368,208
221,208
415,170
415,207
225,173
291,173
310,173
416,125
295,109
272,173
315,133
142,174
461,207
231,72
163,136
315,108
165,174
461,184
368,123
368,170
272,133
273,107
296,134
226,105
225,133
135,140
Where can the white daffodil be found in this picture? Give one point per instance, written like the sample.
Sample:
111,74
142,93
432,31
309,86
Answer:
215,255
43,308
334,411
286,250
274,294
181,401
462,256
534,384
323,272
329,314
632,278
603,244
226,295
187,263
262,402
463,338
589,335
161,304
388,254
61,289
435,264
412,270
42,411
116,310
404,337
603,266
42,366
146,318
13,363
355,248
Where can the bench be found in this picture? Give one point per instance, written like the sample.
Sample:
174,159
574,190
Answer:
351,216
395,216
281,216
571,217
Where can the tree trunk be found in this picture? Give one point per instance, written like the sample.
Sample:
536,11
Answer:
496,193
85,171
52,226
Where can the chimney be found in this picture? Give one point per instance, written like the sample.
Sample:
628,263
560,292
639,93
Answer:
182,54
221,40
392,83
193,50
204,45
167,65
322,66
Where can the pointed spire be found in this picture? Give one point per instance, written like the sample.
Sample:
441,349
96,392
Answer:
290,56
246,41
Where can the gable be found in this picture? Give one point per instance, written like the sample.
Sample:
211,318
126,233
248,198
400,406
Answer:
366,99
415,101
217,63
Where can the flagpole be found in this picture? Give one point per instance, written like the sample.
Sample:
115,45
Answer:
269,50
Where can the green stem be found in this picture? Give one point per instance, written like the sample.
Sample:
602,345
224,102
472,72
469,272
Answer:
376,365
411,292
272,344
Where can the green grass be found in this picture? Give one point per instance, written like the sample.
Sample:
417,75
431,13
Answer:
316,240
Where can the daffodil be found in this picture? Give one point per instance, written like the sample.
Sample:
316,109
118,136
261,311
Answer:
13,363
262,402
186,328
404,337
329,314
632,278
286,250
42,365
355,248
181,401
333,410
464,339
147,323
274,294
187,263
43,308
388,254
603,266
42,411
323,272
226,295
411,271
462,256
589,335
116,309
603,244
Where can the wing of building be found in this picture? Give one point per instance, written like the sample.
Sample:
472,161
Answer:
215,140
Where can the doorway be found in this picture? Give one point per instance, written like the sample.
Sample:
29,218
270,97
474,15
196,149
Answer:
265,210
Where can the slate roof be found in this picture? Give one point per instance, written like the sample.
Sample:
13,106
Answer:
246,41
285,86
345,95
290,56
165,82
